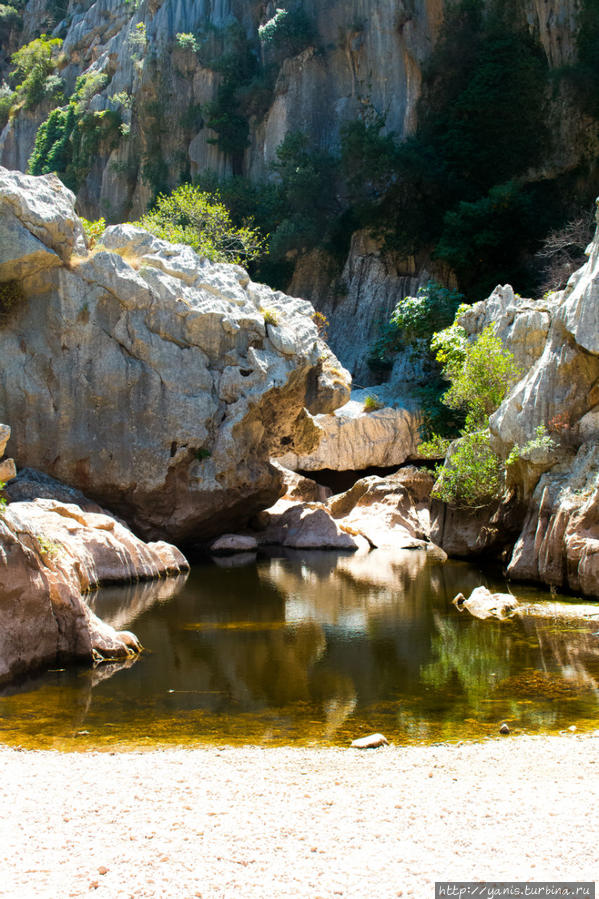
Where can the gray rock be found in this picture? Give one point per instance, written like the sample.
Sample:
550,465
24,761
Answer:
146,377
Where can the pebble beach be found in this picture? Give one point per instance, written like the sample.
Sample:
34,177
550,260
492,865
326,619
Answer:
257,822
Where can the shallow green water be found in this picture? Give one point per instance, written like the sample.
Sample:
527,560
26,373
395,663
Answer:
315,648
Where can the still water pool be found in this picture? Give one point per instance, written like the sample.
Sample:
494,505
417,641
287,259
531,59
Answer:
319,648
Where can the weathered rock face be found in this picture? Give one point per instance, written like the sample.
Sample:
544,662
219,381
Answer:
356,439
551,518
148,377
391,512
49,553
559,543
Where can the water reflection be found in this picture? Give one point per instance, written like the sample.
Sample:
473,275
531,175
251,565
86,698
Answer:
316,646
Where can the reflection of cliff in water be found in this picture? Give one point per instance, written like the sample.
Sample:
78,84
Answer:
316,646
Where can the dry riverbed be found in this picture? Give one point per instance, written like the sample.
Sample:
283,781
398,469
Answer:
292,822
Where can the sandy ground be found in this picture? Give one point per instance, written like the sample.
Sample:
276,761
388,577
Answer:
288,822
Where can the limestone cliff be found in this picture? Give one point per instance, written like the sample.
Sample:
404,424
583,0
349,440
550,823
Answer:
549,523
157,382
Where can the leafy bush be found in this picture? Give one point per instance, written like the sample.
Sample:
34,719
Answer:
289,31
187,41
93,230
270,317
481,372
372,403
542,440
33,63
7,99
481,379
472,475
69,140
191,216
238,65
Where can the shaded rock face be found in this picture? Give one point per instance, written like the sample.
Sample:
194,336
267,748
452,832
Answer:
49,553
148,378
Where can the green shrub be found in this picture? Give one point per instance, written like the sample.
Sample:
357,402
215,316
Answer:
473,475
542,440
270,317
93,230
481,372
481,378
7,99
372,403
187,41
33,63
288,32
191,216
69,140
138,41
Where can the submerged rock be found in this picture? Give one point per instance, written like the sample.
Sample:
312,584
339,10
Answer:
372,741
155,381
483,604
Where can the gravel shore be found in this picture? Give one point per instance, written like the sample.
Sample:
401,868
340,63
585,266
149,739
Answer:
291,822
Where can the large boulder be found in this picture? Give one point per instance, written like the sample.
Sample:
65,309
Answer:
50,552
157,382
377,428
390,512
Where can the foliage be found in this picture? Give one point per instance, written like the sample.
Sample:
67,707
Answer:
238,65
372,403
11,296
7,99
434,448
368,164
410,328
288,32
10,20
138,41
187,41
2,498
270,317
481,372
306,178
472,474
481,380
122,98
541,441
322,324
33,64
69,140
192,216
93,230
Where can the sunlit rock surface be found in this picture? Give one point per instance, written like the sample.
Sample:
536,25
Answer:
358,436
153,380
